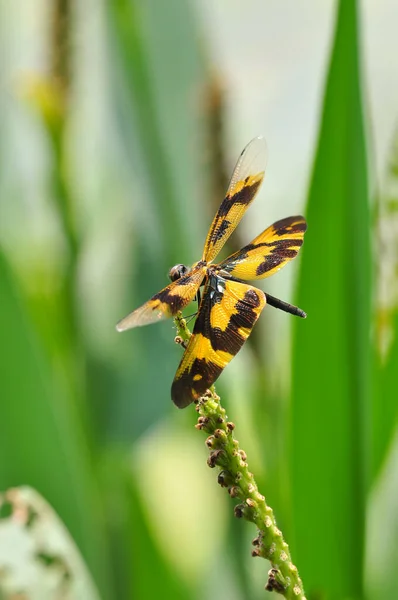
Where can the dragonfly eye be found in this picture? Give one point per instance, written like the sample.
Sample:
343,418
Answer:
177,272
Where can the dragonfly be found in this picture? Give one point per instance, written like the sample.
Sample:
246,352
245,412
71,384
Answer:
228,306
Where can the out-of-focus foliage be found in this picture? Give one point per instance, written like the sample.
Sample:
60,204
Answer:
111,157
37,555
331,388
385,410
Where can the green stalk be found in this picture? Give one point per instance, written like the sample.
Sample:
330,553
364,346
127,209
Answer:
234,475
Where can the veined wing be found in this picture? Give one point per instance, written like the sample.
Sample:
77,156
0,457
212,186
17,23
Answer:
244,185
227,314
269,251
167,302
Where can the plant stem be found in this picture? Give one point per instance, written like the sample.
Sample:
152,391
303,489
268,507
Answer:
226,454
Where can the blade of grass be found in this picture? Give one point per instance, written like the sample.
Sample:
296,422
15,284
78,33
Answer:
41,440
330,382
159,81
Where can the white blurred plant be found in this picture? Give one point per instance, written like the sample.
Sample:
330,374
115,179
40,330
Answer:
38,558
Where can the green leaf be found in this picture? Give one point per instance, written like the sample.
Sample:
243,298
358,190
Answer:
331,360
41,439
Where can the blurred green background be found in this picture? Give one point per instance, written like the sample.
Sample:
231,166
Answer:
120,123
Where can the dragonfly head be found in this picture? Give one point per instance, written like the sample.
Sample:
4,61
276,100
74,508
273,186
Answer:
177,272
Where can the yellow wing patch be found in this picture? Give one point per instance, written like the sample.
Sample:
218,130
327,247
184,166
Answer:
244,185
227,315
167,302
268,252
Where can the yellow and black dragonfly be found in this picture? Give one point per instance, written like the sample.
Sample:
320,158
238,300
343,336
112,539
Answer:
229,307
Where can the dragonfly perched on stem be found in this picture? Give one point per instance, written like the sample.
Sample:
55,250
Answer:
228,307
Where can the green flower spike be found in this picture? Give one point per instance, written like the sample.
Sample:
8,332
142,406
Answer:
234,475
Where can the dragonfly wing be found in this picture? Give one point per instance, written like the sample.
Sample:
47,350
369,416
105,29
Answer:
244,185
167,302
269,251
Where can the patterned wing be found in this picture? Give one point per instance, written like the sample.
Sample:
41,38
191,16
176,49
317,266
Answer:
227,314
269,251
244,185
167,302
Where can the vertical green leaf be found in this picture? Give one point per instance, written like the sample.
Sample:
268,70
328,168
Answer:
161,86
330,384
41,439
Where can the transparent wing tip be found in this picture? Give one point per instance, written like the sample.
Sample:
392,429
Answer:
126,323
254,156
121,327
